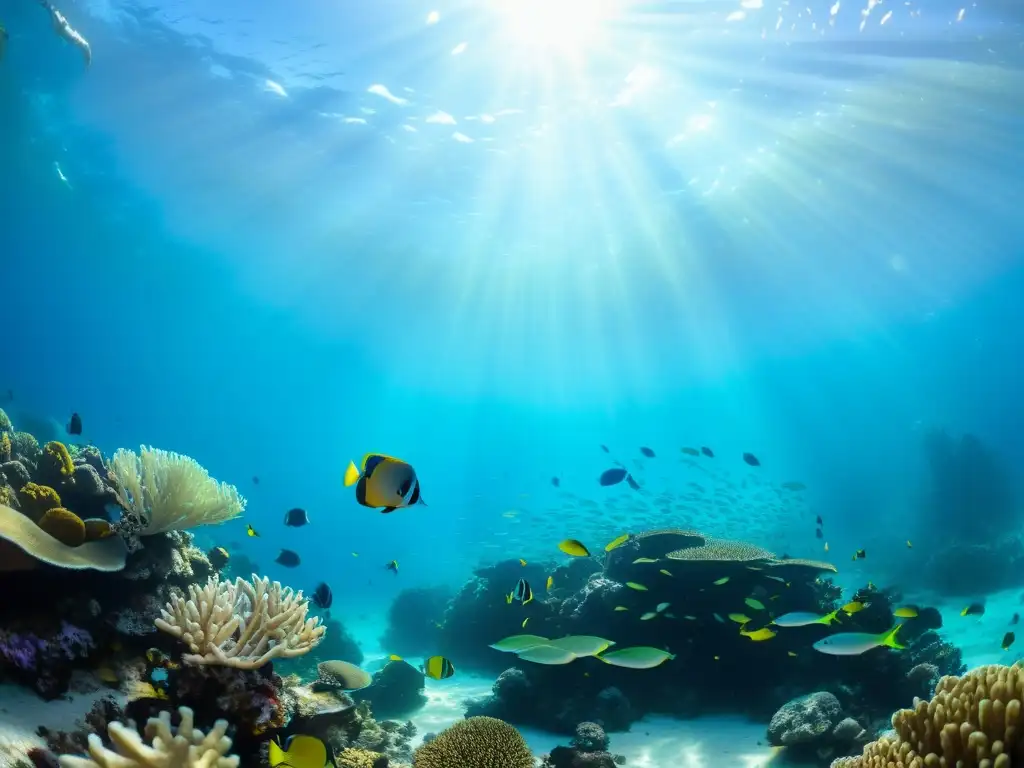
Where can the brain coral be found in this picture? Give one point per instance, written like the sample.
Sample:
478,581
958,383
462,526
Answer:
973,721
477,742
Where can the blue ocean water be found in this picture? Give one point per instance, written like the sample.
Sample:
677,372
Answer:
277,237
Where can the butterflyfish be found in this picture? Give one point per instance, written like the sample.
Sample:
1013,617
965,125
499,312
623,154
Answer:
384,483
438,668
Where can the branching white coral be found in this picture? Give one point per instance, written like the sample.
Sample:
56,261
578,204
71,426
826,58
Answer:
241,624
184,747
166,491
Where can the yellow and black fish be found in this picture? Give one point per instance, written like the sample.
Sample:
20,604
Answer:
298,752
384,483
860,554
218,557
438,667
522,592
250,531
974,609
392,566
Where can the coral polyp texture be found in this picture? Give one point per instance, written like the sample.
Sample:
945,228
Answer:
241,624
168,747
477,742
973,721
163,491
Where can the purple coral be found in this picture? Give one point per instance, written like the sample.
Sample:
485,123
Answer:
73,642
20,650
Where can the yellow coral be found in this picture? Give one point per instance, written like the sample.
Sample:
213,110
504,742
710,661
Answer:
973,721
58,454
37,500
64,525
357,758
477,742
6,448
97,528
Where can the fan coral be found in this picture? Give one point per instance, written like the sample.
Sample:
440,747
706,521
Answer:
185,747
973,721
241,624
165,491
477,742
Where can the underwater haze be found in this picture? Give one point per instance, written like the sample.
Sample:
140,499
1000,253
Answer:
516,244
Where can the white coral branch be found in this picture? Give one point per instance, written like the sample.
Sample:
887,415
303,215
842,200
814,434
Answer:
185,747
241,624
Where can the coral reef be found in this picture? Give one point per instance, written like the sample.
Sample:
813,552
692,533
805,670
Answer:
359,730
181,747
973,721
588,749
702,580
162,491
396,690
478,742
241,624
522,696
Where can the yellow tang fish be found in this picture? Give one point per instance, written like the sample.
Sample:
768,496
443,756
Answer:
665,572
634,585
384,483
550,583
299,752
574,548
759,635
522,562
721,581
617,542
621,608
250,531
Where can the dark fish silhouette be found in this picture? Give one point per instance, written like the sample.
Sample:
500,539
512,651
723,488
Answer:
556,482
751,459
649,453
75,424
605,449
296,518
322,596
612,476
707,452
255,480
218,557
288,559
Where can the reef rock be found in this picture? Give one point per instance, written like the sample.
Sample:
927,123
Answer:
396,690
805,720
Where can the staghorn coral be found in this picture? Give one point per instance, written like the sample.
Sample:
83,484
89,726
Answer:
241,624
163,491
477,742
973,721
184,747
